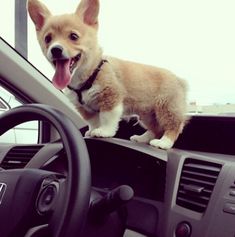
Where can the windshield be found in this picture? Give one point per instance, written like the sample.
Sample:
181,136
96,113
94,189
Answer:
193,39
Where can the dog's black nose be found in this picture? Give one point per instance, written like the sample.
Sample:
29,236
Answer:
57,51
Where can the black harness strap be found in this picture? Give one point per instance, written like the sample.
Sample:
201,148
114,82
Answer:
86,85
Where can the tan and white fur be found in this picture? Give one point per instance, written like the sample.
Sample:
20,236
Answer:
121,88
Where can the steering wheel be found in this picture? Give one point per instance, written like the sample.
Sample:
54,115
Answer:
29,195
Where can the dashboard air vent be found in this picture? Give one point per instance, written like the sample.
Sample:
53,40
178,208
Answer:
197,182
19,156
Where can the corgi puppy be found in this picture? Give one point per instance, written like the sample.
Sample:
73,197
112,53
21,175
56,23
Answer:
104,89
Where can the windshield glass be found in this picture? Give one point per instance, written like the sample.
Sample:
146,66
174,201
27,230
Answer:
193,39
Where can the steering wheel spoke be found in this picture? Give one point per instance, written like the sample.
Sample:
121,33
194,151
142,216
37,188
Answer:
26,195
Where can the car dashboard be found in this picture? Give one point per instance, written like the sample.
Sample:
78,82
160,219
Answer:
177,192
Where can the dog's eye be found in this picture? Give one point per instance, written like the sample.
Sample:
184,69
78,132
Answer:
73,36
48,38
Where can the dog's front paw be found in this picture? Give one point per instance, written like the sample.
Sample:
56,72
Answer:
101,132
88,133
163,143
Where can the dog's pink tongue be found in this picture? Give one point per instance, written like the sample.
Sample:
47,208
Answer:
62,75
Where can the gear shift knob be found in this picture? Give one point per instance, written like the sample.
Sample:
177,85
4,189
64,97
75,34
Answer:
112,201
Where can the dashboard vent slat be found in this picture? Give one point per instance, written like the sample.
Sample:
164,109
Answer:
19,156
196,185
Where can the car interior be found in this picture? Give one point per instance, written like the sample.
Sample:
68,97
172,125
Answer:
67,185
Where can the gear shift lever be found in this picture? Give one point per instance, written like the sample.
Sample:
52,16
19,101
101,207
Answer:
111,201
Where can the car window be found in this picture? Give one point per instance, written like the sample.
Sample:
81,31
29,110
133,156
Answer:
25,133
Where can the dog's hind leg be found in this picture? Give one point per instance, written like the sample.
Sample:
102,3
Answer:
144,138
149,122
109,121
172,121
166,141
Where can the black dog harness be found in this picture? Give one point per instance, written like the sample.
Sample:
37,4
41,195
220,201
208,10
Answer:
86,85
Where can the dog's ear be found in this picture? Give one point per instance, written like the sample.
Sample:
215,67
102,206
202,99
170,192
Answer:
38,13
88,10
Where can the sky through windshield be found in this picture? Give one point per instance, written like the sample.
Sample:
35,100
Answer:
193,38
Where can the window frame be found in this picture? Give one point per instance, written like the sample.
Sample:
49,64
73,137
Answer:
5,104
